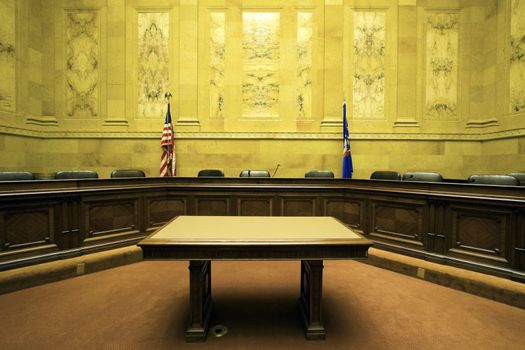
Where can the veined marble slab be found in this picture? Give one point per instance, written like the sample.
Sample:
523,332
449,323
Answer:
7,56
260,47
82,63
442,33
304,64
217,63
153,63
517,58
369,65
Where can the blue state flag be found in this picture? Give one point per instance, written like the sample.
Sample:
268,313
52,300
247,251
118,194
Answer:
348,167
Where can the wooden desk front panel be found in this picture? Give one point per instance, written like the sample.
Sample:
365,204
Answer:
29,229
481,233
481,228
399,220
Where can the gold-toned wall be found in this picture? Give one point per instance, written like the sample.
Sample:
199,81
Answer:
430,85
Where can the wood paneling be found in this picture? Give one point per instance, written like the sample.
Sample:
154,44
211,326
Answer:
471,226
398,221
110,218
519,239
480,234
26,231
297,206
160,210
348,211
212,206
255,206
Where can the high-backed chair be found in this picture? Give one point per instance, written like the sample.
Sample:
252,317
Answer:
254,173
211,172
520,177
76,174
16,175
505,180
422,176
385,175
127,173
320,174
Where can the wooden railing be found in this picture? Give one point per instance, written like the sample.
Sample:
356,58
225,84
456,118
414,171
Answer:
481,228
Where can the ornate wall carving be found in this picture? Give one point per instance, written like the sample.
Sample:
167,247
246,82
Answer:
517,58
369,65
217,63
153,63
7,56
260,49
442,32
82,63
304,64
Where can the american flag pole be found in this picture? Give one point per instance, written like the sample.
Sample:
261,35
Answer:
167,167
167,97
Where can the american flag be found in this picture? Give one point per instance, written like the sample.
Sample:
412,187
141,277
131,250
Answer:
167,160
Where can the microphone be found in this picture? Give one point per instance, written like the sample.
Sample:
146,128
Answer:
276,168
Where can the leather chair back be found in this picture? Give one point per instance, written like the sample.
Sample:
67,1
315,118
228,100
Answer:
210,172
16,175
422,176
127,173
520,177
76,174
254,173
504,180
320,174
385,175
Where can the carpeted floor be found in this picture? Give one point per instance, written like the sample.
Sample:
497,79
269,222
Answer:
145,305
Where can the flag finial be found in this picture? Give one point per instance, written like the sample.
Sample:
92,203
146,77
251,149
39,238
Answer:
168,96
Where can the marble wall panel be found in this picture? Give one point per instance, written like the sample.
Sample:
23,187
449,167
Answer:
369,65
7,56
217,63
517,58
261,55
153,63
442,34
82,63
304,64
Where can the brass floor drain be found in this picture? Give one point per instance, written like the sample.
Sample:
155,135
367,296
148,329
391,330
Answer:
219,331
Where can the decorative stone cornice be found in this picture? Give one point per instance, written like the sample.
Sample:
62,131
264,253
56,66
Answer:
237,135
482,123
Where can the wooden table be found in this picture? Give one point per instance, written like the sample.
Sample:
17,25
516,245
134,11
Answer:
201,239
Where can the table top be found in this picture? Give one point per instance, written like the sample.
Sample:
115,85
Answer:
254,238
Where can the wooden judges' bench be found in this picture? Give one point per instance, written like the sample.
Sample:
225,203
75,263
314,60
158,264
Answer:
477,227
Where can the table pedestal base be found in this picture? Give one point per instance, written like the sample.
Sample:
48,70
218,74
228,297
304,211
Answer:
201,304
310,299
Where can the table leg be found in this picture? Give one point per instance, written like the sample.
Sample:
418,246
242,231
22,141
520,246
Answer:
200,300
310,299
